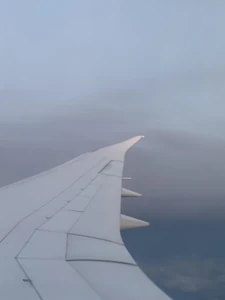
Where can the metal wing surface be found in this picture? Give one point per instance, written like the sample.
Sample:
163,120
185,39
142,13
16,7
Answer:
60,234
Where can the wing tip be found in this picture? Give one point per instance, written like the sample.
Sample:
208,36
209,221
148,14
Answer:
135,139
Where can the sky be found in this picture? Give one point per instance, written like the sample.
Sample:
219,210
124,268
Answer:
169,56
78,45
80,75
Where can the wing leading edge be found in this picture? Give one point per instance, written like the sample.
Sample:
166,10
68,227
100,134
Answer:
60,234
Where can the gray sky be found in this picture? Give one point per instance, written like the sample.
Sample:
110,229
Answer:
163,59
82,74
84,44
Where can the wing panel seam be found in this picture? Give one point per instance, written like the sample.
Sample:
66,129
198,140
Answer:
95,238
102,260
48,202
30,281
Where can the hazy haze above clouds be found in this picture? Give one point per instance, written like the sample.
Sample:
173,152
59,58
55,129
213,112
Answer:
87,44
163,61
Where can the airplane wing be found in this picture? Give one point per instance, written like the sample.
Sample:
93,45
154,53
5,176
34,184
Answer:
60,234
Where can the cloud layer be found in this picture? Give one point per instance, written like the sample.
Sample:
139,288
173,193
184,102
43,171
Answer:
199,278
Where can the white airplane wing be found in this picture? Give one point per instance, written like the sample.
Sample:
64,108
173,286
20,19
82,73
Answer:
60,234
